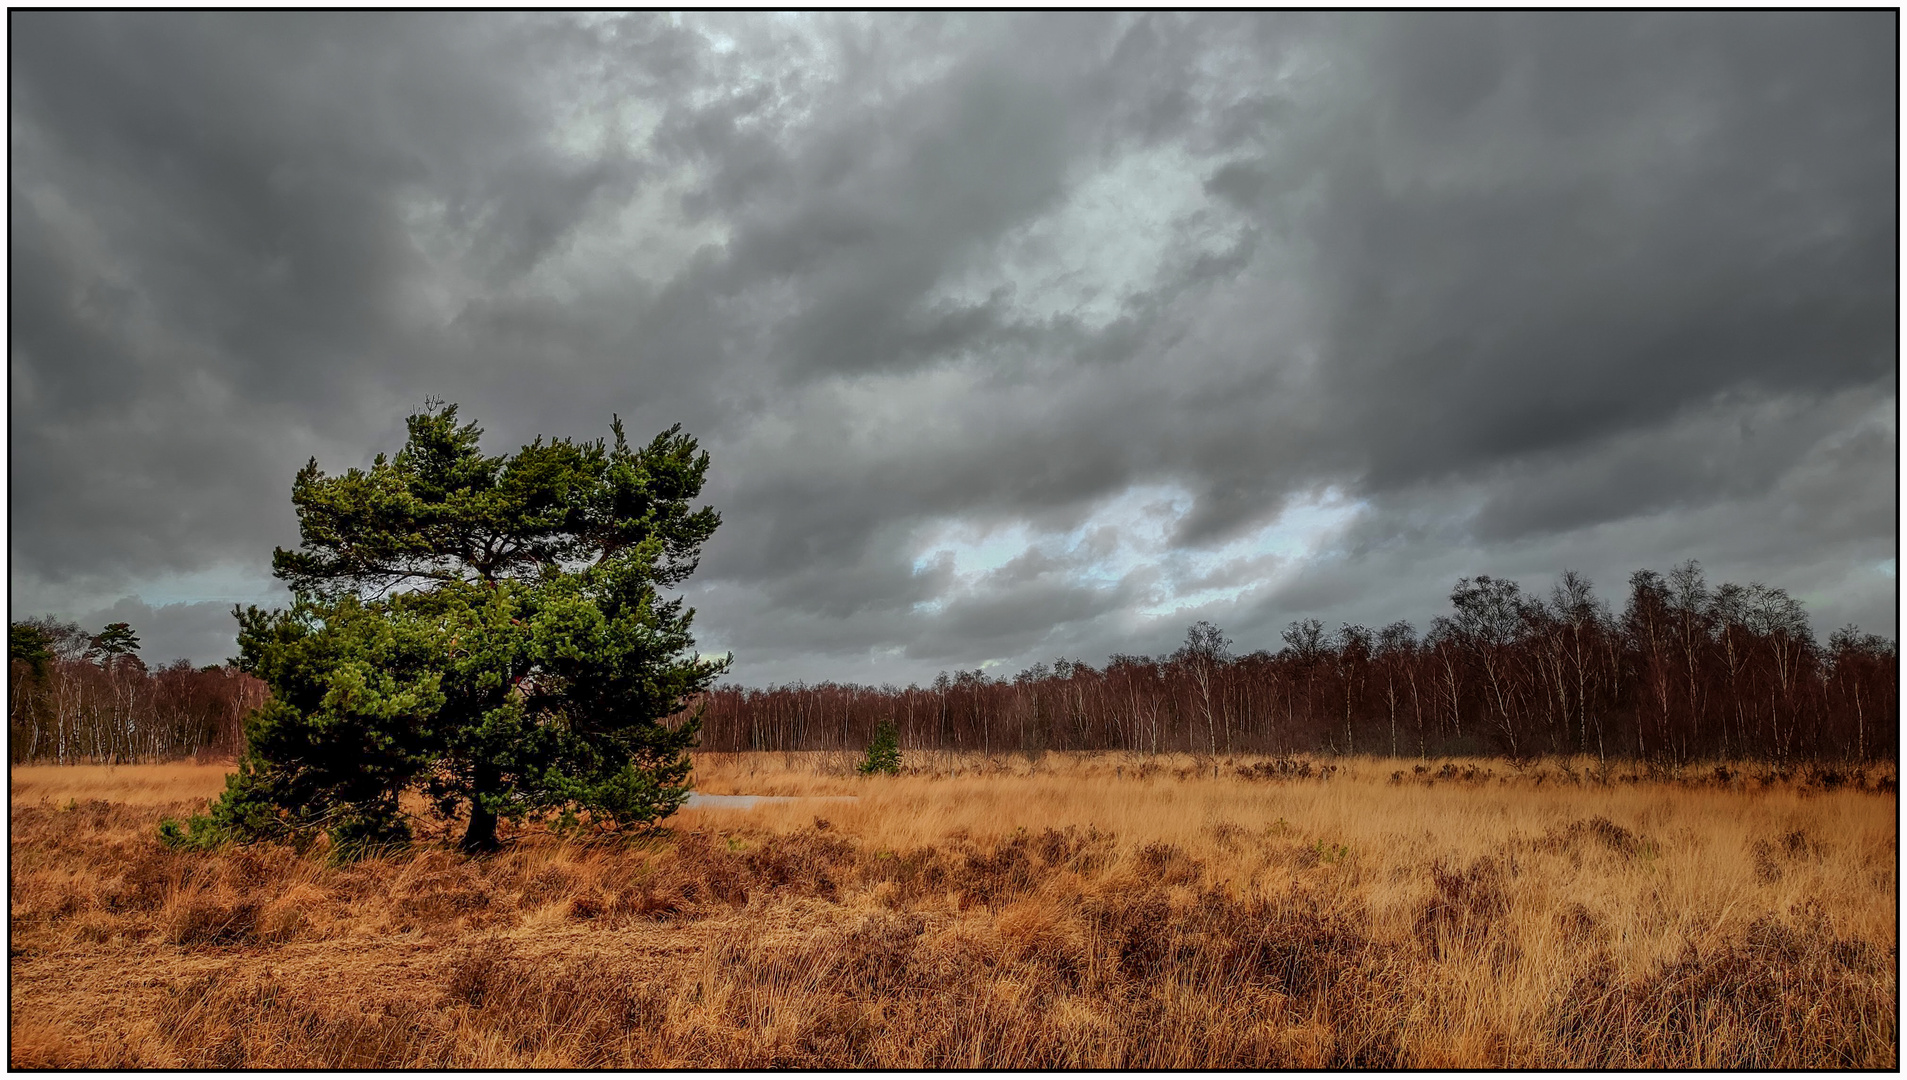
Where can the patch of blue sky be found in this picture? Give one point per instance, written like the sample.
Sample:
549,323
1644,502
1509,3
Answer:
1197,599
977,551
1110,239
1111,542
1131,533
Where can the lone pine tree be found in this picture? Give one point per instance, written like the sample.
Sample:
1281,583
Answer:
490,631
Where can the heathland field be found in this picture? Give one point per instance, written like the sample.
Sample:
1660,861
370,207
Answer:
1095,911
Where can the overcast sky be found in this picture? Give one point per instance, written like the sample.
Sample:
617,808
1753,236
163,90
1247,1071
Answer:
1010,337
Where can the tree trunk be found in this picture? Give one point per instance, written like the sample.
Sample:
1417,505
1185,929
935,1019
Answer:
481,835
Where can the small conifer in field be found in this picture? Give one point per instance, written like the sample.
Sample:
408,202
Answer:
883,752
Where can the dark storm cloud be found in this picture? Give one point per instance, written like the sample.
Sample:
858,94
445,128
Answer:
1516,292
1715,213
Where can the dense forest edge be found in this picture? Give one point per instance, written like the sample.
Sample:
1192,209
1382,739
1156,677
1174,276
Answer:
78,697
1684,673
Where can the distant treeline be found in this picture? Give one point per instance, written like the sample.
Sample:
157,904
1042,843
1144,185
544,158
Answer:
1684,673
79,697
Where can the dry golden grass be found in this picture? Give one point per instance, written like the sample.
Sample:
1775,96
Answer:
1093,911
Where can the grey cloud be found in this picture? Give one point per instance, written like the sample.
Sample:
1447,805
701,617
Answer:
1732,449
1696,233
1597,290
1006,624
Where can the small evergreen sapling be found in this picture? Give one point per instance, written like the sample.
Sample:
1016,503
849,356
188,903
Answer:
884,752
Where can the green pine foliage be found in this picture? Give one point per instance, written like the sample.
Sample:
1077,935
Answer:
30,645
883,751
490,631
117,639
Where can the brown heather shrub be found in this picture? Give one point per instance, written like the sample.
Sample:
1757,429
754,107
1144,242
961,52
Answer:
1596,831
1093,911
202,921
1464,909
1786,992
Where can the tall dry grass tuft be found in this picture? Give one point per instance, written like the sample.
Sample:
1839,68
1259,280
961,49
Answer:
1079,911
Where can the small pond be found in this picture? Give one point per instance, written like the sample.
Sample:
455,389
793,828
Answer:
699,801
